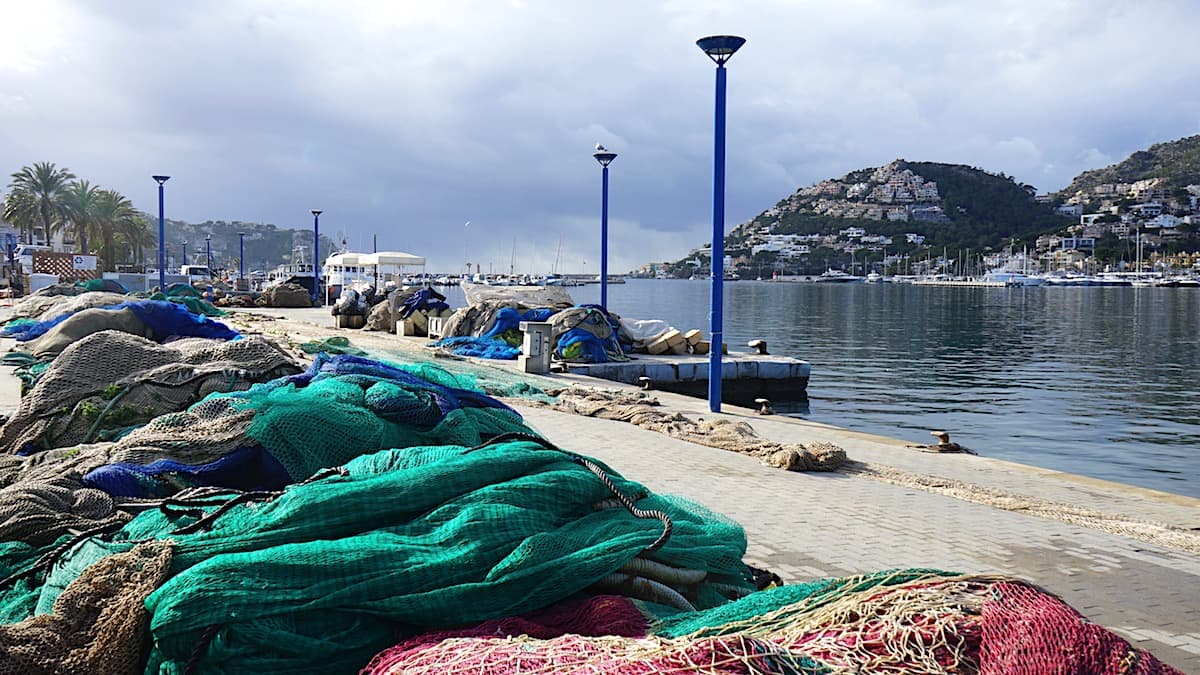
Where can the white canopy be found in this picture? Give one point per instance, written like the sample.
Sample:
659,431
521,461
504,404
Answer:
397,258
345,259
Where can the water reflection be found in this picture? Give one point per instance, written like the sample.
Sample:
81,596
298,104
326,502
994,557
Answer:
1098,381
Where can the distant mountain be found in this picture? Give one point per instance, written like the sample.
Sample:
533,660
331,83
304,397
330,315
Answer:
1177,163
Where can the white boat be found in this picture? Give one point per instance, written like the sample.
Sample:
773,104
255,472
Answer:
298,270
874,278
347,269
1010,278
836,277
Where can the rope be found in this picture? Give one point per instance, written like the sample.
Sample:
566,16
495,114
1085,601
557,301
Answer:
207,521
50,557
668,526
193,663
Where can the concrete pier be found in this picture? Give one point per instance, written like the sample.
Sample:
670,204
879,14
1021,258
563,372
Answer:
807,525
745,377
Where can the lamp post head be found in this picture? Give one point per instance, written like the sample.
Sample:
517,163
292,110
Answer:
161,179
604,156
317,212
720,47
208,237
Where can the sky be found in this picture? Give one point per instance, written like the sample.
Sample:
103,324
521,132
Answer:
462,130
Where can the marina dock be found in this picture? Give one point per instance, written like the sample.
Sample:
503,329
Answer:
1127,558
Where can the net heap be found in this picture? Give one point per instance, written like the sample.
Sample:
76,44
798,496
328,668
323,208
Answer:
377,517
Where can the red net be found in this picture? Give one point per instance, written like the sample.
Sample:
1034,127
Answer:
1029,631
965,624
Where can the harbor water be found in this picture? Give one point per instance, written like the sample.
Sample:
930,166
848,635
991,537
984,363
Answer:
1095,381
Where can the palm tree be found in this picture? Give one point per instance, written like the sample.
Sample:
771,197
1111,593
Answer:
78,203
44,182
137,235
114,214
20,210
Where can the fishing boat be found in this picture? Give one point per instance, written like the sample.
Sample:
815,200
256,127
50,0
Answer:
298,271
349,270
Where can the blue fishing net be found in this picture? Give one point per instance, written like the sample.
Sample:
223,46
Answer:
509,319
484,348
244,469
424,299
164,319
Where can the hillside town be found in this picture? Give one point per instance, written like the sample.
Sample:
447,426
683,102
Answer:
1143,217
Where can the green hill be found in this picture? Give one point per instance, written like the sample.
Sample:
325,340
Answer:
1177,162
952,206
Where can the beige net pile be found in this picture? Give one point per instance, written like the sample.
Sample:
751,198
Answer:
99,623
475,320
285,295
39,511
740,437
109,381
49,307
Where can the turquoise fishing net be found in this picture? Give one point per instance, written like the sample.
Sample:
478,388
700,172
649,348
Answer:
330,572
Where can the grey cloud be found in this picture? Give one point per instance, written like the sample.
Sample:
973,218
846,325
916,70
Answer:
406,119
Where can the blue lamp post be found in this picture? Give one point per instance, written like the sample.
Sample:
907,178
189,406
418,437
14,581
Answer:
719,48
185,252
317,300
605,158
241,256
208,252
162,243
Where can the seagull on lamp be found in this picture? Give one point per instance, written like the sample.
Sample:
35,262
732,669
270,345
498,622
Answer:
601,148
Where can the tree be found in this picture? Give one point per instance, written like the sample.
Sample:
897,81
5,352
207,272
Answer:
45,183
21,210
114,215
78,204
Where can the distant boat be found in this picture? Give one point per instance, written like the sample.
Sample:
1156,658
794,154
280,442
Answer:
1009,278
874,278
836,277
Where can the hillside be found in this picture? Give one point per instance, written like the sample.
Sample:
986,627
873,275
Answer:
1175,162
867,213
265,244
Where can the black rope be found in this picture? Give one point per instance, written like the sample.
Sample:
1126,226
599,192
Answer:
516,436
50,557
628,503
193,663
208,520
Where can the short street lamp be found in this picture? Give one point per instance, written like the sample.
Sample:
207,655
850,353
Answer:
719,48
605,158
241,255
162,242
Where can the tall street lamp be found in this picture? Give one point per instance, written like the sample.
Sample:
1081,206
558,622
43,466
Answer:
605,158
317,300
185,252
241,256
162,244
719,48
208,251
